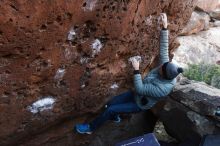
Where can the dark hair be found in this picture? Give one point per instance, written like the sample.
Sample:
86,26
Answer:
180,70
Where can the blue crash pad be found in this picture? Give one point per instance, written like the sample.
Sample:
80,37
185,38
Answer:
145,140
211,140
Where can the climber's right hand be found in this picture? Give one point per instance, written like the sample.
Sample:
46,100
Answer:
135,64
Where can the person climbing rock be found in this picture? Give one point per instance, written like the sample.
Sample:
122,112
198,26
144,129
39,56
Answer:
154,87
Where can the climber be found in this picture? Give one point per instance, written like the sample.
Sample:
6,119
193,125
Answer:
154,87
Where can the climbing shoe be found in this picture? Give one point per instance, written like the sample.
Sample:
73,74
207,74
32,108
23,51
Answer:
117,119
83,129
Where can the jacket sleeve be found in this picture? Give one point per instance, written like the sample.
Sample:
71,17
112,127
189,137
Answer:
147,89
164,42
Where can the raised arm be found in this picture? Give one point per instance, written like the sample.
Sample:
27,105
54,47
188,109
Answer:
164,40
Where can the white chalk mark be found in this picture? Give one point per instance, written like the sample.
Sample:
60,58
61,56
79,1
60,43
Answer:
83,86
148,20
4,62
67,53
45,103
114,86
71,35
96,47
89,5
59,74
84,60
158,23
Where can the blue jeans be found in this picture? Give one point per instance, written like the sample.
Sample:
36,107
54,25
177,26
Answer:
123,103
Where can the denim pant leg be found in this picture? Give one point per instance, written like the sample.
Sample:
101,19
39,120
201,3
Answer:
122,98
125,97
111,111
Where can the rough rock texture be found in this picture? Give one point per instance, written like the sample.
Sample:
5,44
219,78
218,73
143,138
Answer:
195,108
73,55
216,23
208,5
199,21
202,47
215,14
108,135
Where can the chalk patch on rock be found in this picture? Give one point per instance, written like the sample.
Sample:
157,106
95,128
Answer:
84,60
96,47
114,86
158,23
148,20
71,35
83,86
45,103
89,5
4,62
67,53
59,74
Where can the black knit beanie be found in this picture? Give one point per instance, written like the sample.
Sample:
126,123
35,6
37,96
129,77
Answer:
171,70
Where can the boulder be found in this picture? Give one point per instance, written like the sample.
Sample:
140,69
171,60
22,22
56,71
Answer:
192,111
199,21
62,59
208,5
215,82
215,23
215,14
202,47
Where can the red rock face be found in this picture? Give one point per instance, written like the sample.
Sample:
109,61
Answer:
72,52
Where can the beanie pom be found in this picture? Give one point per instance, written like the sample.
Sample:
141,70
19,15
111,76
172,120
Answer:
180,70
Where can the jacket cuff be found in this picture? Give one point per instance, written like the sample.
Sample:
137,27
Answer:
136,72
164,28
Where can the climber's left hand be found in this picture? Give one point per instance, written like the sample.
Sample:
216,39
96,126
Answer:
163,17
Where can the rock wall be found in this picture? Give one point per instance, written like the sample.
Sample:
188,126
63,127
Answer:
64,58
